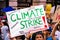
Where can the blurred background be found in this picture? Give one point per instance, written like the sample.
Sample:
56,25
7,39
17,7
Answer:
17,4
49,7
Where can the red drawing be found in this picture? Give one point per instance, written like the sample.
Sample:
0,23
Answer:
44,21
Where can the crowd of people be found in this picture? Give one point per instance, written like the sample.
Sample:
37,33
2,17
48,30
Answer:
53,33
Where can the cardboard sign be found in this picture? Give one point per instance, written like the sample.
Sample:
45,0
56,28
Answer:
56,16
26,20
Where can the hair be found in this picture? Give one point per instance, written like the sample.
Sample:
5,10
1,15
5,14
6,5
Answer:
5,23
21,37
34,35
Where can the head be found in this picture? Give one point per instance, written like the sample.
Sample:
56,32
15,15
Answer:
48,32
38,36
53,24
4,22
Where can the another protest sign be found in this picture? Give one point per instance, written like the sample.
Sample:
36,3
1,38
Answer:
56,16
30,19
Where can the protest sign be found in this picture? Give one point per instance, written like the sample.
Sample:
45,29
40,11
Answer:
25,20
56,16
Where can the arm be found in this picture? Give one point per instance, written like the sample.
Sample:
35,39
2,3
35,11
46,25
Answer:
44,37
54,38
53,31
28,35
44,32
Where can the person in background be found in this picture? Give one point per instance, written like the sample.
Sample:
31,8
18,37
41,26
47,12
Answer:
35,36
46,35
49,24
47,32
5,30
52,35
53,25
7,9
57,33
38,36
0,30
28,36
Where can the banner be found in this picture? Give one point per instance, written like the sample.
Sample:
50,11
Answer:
26,20
56,16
